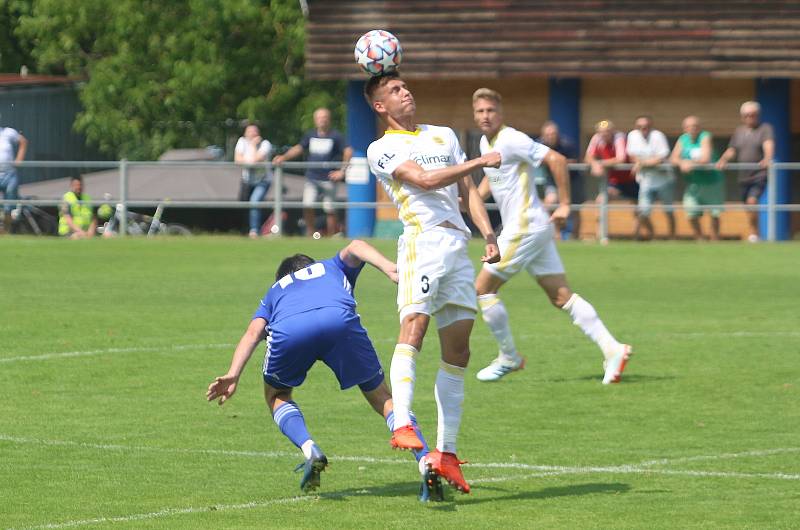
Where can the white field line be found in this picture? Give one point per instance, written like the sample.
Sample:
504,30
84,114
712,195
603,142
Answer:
67,354
642,468
542,471
723,456
168,512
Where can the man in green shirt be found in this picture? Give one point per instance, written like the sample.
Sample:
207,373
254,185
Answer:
77,218
705,187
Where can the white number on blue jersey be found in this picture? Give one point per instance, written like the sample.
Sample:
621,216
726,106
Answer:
315,270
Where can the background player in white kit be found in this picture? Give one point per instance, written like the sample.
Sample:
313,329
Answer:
423,169
526,241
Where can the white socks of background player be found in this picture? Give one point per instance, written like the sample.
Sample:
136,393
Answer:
402,375
585,317
449,393
496,317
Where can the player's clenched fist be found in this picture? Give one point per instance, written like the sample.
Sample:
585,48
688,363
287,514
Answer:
492,159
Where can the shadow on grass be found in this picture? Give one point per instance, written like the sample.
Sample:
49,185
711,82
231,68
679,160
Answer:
626,379
575,490
452,498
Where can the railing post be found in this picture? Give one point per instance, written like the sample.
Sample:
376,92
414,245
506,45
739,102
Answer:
603,221
277,227
123,197
772,195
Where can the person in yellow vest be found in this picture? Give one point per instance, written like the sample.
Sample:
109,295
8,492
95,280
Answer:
77,219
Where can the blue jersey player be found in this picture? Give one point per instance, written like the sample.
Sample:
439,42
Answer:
309,314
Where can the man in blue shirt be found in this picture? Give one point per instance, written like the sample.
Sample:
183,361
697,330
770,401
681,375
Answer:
320,144
309,314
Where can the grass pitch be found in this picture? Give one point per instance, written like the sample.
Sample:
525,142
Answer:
108,346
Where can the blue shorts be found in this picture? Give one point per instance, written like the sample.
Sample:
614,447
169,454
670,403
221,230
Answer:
9,186
332,335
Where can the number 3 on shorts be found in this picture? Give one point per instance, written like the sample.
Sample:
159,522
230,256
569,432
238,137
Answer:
426,286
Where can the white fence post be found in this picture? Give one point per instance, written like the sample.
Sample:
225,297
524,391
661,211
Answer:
277,227
603,221
123,197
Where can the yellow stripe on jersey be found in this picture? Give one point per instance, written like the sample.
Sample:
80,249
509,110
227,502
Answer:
400,196
516,239
415,132
493,140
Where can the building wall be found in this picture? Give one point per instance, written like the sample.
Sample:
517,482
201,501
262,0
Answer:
45,116
667,99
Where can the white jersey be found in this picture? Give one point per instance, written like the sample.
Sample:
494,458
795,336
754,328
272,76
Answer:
9,138
432,148
512,183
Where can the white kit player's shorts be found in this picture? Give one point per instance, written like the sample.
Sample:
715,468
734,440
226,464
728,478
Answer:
533,251
435,271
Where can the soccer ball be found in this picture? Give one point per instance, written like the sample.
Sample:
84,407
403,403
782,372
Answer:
378,52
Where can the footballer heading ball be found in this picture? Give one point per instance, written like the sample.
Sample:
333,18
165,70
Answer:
378,52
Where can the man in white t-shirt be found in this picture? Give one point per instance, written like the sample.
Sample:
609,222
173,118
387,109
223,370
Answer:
526,242
648,148
252,149
12,150
423,169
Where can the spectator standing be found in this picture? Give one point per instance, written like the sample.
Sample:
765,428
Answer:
320,144
552,138
12,151
648,148
705,187
752,142
607,149
77,218
253,149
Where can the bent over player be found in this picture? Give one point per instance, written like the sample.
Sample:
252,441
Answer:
309,314
423,169
526,241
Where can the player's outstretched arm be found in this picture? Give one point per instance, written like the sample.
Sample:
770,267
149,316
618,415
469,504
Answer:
358,252
434,179
223,387
476,209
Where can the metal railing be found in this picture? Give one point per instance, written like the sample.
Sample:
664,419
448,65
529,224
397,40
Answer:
278,204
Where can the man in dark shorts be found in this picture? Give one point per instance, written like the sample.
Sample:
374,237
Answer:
607,148
552,138
309,315
752,142
320,144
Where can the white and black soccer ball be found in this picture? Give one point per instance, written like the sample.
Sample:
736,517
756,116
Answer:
378,52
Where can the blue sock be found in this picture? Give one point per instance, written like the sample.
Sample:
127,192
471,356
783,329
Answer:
417,454
291,423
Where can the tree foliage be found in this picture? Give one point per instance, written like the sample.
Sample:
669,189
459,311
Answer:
13,52
182,73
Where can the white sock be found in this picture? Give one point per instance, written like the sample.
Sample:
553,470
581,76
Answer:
402,375
449,393
585,317
306,448
496,317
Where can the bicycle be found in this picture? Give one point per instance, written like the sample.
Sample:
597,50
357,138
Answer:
142,225
30,219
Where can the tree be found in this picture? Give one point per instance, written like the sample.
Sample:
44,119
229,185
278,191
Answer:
13,52
182,73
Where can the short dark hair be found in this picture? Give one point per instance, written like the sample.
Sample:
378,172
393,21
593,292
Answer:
76,177
293,264
377,81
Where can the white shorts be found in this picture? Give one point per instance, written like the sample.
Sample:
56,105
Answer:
316,188
435,271
535,252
